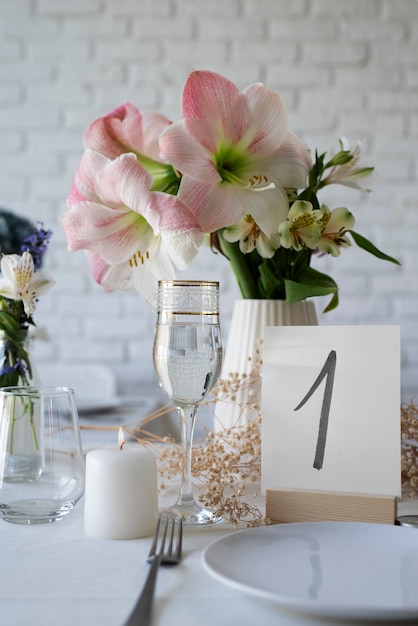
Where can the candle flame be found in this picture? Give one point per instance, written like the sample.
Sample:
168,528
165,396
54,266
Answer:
121,438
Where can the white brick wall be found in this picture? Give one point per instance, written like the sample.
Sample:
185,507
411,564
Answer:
343,68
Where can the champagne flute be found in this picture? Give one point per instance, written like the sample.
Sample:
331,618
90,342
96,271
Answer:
187,360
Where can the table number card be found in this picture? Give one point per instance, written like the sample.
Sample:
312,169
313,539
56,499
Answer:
331,422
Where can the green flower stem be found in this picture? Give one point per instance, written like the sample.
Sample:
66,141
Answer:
247,283
12,428
15,352
28,408
33,427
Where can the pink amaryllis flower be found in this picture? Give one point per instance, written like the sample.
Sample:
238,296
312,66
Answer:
133,236
126,129
235,153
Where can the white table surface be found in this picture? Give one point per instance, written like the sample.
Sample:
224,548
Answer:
54,574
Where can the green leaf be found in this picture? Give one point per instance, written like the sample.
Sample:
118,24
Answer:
8,322
298,291
241,266
270,285
10,327
302,264
367,245
311,283
317,169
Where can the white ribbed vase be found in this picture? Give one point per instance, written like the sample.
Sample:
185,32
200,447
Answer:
244,347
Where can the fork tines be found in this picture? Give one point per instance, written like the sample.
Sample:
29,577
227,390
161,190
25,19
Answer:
168,534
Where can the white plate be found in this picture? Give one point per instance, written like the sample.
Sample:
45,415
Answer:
340,570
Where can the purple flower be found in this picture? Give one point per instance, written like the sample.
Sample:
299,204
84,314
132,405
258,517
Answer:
36,244
18,368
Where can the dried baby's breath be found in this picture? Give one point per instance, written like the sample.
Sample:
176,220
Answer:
409,449
226,464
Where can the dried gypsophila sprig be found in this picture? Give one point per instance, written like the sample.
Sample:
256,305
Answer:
223,474
226,389
230,460
409,449
226,461
229,465
225,465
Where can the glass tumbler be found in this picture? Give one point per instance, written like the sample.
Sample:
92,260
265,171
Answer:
41,459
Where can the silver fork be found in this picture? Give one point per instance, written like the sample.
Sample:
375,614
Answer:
169,533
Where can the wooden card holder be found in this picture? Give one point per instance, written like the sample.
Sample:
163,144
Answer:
284,506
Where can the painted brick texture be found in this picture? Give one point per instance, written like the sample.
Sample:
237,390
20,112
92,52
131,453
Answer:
343,69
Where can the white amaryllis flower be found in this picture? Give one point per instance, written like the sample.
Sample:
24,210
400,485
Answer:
19,281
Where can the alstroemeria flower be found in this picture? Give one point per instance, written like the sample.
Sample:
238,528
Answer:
334,225
20,281
135,236
251,237
235,153
302,228
346,170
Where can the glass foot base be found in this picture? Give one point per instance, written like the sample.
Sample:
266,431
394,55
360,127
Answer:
34,511
193,515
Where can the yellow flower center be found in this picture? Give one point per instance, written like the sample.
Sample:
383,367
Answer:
306,219
259,182
138,258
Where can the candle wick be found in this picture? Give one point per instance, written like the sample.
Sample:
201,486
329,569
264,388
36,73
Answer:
121,445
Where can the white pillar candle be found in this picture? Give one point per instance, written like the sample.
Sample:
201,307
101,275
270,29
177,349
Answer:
121,492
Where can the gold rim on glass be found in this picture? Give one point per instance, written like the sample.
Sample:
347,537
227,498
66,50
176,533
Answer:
189,283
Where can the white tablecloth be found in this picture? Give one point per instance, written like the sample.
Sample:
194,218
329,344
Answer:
54,574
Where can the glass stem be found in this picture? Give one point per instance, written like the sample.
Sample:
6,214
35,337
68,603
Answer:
187,422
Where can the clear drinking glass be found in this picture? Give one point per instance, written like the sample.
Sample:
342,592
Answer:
41,460
188,359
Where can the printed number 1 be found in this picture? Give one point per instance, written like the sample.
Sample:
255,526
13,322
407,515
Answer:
327,371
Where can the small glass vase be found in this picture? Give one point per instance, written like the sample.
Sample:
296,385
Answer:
41,459
24,456
16,362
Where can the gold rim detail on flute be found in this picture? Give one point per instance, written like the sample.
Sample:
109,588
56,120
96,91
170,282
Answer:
189,283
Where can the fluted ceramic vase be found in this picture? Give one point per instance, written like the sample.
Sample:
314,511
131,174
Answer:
242,367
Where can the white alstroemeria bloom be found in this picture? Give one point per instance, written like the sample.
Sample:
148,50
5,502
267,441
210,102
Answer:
334,226
302,228
19,281
250,237
347,170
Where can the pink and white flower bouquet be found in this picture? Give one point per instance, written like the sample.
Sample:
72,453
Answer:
148,192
